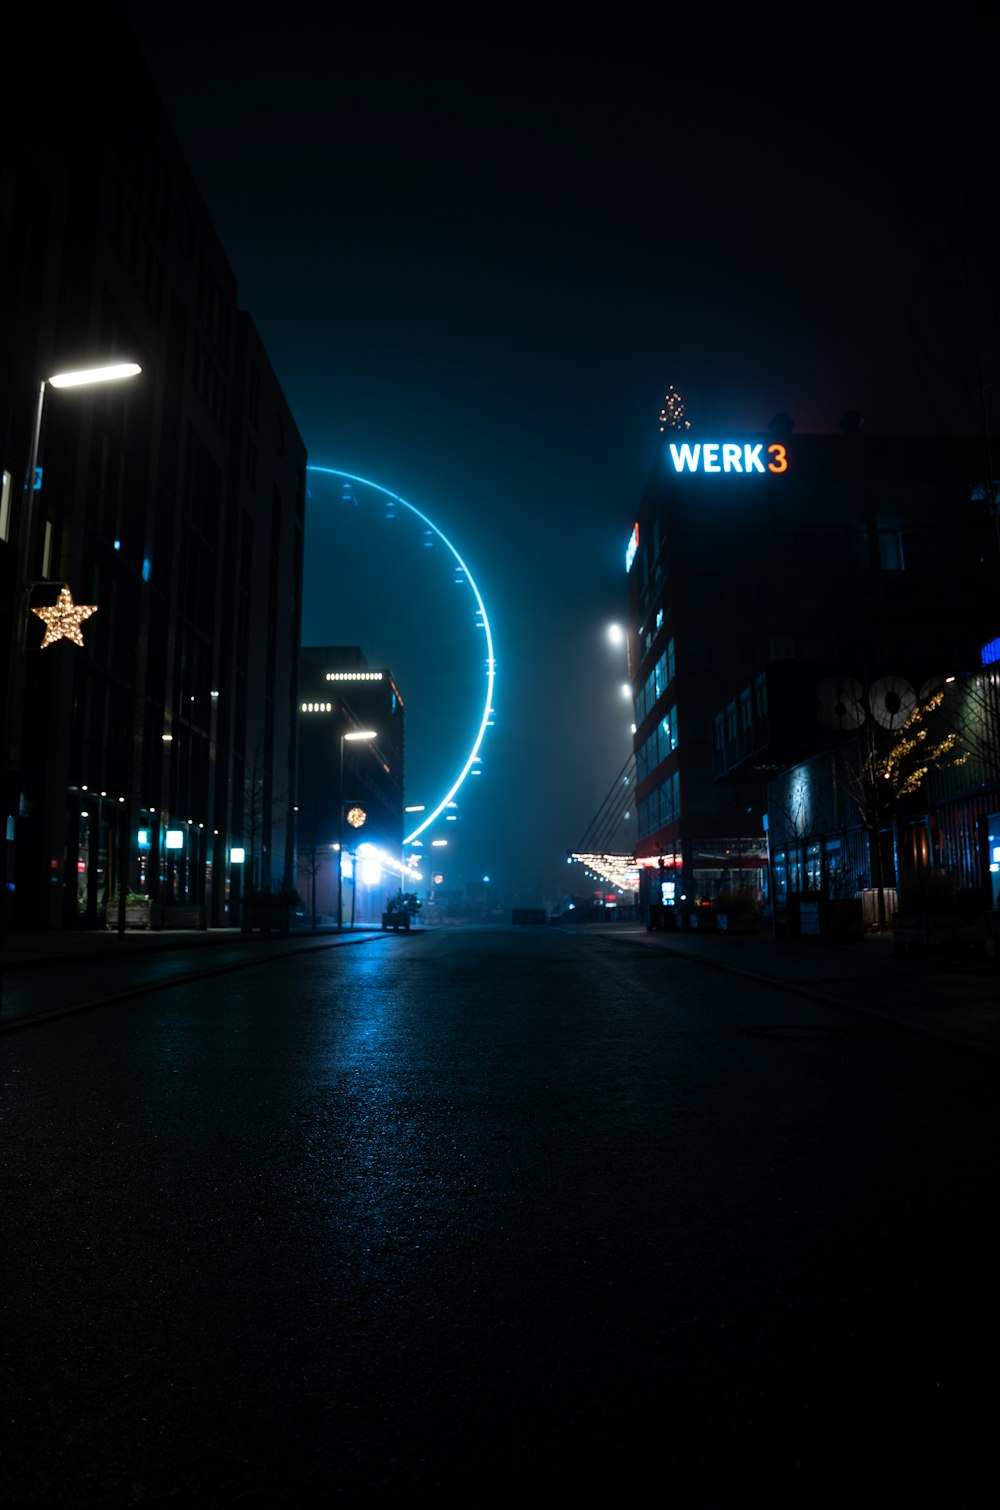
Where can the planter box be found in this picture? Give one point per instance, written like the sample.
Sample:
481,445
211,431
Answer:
943,931
136,915
267,910
745,923
832,918
262,917
662,919
396,920
177,915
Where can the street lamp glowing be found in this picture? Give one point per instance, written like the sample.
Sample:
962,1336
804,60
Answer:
356,735
107,374
11,715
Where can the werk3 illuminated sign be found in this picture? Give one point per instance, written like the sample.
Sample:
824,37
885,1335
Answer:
744,458
734,458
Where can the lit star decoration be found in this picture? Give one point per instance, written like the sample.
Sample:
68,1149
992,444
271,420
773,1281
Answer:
672,413
63,619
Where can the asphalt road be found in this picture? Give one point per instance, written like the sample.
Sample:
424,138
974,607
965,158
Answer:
495,1216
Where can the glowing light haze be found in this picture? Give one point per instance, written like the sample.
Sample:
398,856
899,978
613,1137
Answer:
473,756
495,250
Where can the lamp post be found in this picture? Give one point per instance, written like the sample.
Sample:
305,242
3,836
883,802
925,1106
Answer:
353,734
110,372
10,719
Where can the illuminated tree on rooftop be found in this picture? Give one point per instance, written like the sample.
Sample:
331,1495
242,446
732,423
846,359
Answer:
672,413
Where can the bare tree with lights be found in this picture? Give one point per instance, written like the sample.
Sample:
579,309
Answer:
257,815
882,767
311,858
790,820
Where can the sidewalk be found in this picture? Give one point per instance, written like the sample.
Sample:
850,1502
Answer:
955,998
36,968
23,950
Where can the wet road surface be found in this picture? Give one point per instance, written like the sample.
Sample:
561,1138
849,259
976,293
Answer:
483,1217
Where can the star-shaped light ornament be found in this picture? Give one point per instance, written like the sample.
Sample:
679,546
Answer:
63,619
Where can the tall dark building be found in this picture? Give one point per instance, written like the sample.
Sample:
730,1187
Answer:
761,570
350,818
171,504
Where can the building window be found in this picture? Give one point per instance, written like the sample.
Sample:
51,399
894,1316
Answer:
656,683
5,508
658,745
253,397
660,677
890,550
780,878
660,807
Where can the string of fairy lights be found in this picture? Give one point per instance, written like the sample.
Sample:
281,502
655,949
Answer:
63,618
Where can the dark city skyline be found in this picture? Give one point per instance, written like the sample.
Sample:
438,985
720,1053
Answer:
481,241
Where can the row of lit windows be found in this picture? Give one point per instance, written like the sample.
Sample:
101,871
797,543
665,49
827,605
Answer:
654,750
651,631
354,676
656,683
317,707
660,807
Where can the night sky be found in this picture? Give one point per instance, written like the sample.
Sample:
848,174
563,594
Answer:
480,241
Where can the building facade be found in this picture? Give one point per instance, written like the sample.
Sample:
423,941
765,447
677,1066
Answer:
144,757
845,822
763,571
350,784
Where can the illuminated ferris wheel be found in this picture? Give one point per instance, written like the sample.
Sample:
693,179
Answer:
352,490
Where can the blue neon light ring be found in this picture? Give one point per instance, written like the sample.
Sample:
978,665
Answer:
473,755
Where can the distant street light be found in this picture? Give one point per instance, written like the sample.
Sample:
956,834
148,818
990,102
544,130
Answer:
353,734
